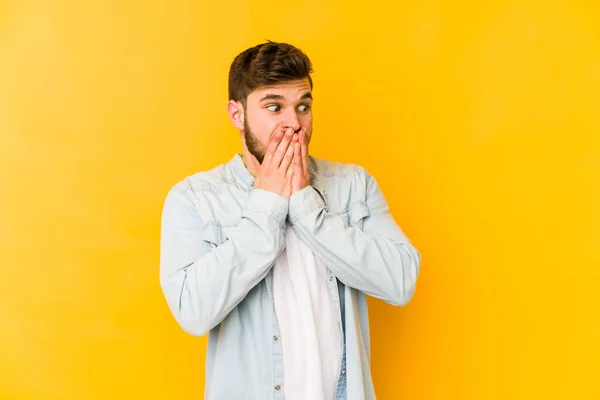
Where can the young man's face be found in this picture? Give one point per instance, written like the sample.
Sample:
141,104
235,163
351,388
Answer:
273,108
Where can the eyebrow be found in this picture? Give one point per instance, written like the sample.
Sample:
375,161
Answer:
272,96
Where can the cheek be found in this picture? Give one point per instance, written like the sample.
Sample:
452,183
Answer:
306,121
262,129
268,125
306,118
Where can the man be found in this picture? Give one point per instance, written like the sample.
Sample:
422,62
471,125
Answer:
273,252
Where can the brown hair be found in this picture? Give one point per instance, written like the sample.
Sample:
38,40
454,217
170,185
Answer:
266,64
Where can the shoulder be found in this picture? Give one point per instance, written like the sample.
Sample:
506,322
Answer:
212,181
201,184
331,169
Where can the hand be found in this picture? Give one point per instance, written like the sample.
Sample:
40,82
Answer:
300,174
275,172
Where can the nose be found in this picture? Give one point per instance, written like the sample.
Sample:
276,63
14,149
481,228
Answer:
291,120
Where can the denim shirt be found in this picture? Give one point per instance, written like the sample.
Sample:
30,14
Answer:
220,238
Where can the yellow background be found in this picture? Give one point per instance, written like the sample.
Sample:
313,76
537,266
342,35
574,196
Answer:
480,119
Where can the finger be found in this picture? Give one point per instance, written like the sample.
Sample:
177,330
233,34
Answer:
273,144
290,171
289,154
304,155
289,175
282,148
289,179
297,160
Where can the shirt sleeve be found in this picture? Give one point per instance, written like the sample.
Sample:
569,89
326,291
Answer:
203,283
378,259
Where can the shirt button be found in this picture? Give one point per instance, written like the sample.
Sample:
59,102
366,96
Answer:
343,371
277,387
330,278
275,338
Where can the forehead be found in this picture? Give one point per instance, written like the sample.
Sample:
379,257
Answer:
291,89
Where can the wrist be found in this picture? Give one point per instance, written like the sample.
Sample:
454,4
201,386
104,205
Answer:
304,202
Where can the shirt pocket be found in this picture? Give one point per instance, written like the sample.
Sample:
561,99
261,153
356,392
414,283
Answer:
357,213
213,234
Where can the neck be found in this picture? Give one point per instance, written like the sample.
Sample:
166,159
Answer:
249,164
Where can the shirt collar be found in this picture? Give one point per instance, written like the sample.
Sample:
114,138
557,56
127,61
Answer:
241,173
244,177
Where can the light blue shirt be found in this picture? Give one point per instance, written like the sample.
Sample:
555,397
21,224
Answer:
220,239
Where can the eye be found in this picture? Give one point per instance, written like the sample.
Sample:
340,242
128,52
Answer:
273,108
303,107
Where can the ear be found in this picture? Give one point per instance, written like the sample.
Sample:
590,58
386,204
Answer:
235,109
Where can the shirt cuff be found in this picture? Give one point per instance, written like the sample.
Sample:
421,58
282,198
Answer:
268,203
304,202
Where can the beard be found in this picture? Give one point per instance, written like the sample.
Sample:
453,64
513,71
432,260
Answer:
254,146
252,143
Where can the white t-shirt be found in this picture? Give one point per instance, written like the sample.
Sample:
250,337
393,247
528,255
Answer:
307,318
